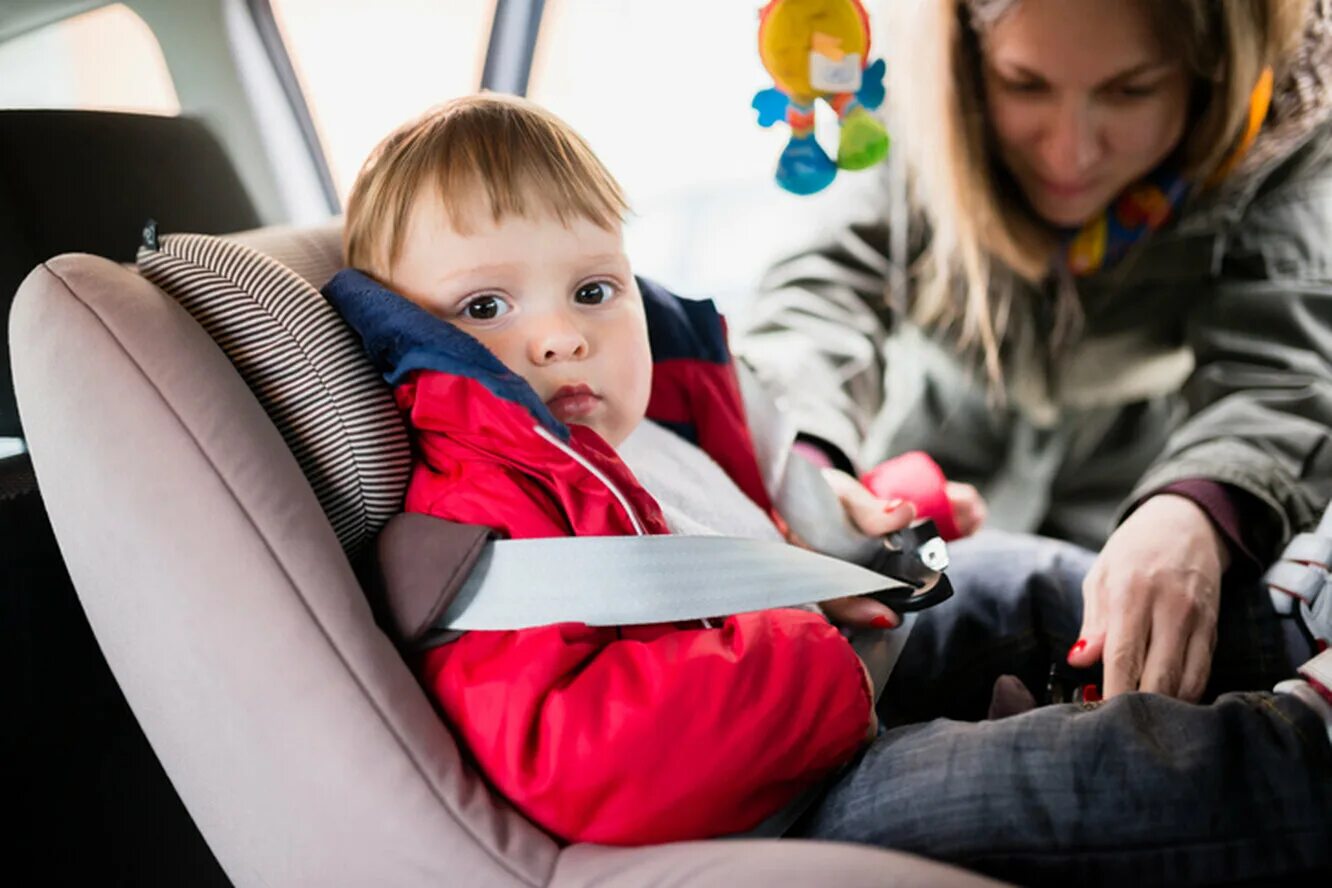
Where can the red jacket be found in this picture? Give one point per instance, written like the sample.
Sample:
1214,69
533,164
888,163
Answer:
628,735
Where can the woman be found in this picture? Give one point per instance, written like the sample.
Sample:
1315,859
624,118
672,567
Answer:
1112,313
1080,356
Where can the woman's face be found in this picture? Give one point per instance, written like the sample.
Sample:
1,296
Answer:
1084,100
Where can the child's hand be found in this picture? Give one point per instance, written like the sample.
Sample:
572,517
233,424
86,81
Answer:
968,507
873,517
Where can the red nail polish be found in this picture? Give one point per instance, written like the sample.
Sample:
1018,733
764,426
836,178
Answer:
1077,648
1091,694
882,622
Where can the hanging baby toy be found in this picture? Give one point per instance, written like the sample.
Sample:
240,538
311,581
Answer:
817,49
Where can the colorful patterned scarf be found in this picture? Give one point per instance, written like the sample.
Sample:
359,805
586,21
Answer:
1149,204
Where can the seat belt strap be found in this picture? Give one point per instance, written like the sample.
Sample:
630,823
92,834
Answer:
623,581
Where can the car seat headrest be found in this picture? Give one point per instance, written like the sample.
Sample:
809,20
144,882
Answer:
306,368
312,251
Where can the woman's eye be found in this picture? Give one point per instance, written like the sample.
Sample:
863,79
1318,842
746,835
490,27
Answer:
1024,87
594,293
485,308
1136,92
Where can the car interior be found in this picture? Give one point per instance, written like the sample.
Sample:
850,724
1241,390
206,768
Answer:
200,690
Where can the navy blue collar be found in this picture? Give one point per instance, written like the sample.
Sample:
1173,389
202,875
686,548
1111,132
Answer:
401,337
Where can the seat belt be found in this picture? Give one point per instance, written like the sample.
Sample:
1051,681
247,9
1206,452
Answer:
1300,583
622,581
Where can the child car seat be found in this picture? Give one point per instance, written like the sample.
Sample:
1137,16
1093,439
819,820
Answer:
232,618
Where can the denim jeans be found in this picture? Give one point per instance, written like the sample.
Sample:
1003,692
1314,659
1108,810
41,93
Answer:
1140,788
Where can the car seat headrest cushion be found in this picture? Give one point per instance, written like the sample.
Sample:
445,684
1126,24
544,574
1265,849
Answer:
306,368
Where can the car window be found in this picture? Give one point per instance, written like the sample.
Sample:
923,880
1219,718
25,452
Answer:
662,93
365,68
107,59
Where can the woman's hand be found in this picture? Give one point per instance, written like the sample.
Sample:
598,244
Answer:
968,507
873,517
1150,601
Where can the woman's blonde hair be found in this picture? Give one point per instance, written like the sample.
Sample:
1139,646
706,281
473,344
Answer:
488,151
976,213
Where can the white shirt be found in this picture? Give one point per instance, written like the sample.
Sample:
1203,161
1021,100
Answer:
696,496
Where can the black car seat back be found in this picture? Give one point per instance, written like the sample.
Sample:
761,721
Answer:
85,182
78,769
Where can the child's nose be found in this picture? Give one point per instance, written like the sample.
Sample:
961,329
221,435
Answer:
559,340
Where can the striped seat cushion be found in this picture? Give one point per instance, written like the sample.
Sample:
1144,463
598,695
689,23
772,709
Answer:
306,368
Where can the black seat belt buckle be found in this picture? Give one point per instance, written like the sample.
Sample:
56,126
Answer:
917,556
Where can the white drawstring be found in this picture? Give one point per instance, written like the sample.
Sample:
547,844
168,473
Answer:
615,491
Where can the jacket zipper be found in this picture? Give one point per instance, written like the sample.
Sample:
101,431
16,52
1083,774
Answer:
598,474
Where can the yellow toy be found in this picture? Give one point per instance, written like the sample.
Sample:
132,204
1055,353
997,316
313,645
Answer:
818,49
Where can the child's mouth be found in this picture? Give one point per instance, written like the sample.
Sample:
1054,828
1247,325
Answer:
573,402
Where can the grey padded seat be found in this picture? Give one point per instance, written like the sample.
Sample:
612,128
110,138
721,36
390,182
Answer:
294,732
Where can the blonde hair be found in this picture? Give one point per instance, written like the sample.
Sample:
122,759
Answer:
976,213
511,154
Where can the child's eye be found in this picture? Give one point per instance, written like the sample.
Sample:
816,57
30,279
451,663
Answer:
484,308
594,293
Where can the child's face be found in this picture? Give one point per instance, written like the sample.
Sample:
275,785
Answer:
558,305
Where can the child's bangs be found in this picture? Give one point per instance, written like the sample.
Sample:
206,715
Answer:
484,154
523,165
